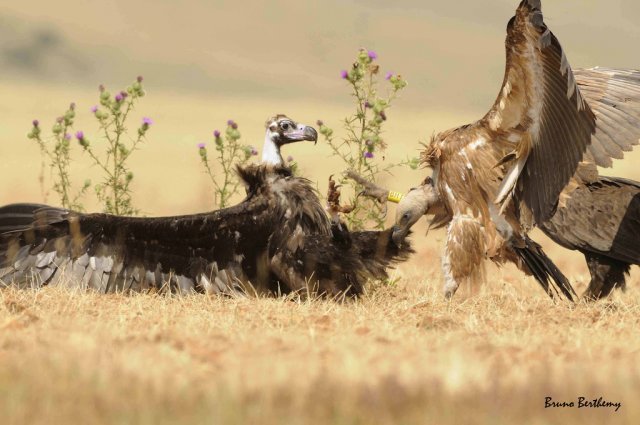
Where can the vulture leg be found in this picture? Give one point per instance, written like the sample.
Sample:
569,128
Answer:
462,263
606,274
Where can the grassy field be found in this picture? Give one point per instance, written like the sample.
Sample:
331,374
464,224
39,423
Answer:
401,354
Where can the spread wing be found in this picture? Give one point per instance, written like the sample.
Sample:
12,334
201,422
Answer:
541,110
614,97
602,217
211,252
18,216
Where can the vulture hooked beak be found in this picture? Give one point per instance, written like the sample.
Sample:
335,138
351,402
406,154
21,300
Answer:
419,201
298,133
282,130
406,216
398,235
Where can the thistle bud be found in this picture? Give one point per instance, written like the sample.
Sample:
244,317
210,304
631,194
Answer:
82,140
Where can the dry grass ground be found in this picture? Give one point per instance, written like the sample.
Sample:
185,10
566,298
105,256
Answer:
399,355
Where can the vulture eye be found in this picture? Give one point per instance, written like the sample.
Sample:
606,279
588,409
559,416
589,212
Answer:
285,126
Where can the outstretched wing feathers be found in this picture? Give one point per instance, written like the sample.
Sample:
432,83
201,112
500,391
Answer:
278,239
20,216
540,101
601,217
614,97
110,252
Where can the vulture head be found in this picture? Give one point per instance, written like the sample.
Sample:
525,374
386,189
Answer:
417,202
282,130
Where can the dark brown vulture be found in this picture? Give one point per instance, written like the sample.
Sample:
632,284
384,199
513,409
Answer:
503,174
278,240
601,219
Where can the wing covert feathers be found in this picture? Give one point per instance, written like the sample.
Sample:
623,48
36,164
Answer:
278,240
542,107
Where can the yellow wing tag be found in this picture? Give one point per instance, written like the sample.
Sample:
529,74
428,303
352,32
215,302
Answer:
395,197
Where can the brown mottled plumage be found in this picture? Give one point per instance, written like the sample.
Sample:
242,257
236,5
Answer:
503,174
601,219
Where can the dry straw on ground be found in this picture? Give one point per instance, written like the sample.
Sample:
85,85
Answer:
401,354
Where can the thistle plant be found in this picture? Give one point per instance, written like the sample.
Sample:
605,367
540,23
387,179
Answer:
56,151
362,148
114,192
229,153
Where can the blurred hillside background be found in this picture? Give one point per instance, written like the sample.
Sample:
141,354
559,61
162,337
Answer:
207,61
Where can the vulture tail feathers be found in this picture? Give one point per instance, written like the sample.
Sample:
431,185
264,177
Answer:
544,270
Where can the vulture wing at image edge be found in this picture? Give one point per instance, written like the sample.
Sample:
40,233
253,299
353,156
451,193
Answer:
600,219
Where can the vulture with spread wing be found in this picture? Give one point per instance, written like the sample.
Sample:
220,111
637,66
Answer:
278,240
503,174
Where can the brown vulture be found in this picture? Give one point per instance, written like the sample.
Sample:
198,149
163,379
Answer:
503,174
601,219
279,239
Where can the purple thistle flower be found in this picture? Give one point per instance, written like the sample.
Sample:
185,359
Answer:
372,55
320,123
230,123
368,143
216,134
80,135
59,120
254,151
35,123
201,145
67,136
94,108
367,104
119,98
139,79
147,121
383,116
289,158
123,94
368,155
344,74
389,75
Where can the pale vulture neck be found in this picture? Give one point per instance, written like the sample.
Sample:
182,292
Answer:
270,151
